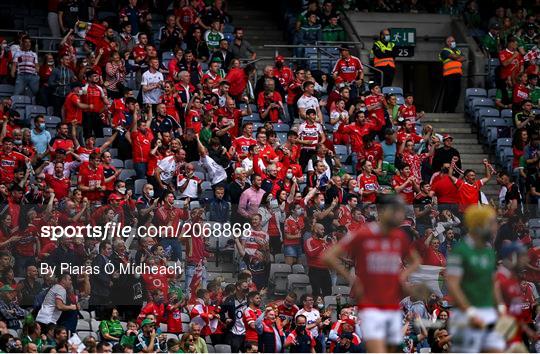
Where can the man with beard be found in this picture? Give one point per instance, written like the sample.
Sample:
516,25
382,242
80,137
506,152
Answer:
250,315
148,340
96,98
378,250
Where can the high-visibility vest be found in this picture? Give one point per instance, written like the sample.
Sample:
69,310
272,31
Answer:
384,61
450,66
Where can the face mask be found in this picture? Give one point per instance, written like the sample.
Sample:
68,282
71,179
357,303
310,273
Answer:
445,170
321,205
151,193
453,45
50,63
17,142
300,328
320,306
356,189
122,190
42,126
387,38
299,212
274,204
289,175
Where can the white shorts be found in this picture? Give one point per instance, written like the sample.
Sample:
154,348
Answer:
471,340
379,324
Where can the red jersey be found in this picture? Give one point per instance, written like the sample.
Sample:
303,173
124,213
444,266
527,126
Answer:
408,112
139,53
287,314
263,104
27,245
152,308
238,80
252,242
267,153
194,120
314,248
368,183
402,135
378,264
64,144
89,177
520,93
415,162
293,226
157,282
534,260
249,317
234,116
445,190
514,67
71,109
517,301
195,250
284,75
294,91
141,145
174,319
171,103
348,69
374,153
356,132
59,185
344,215
376,101
118,111
310,133
9,163
408,192
242,144
93,94
468,194
186,16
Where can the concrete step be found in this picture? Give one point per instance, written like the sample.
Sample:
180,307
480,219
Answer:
449,125
469,148
434,120
444,115
454,130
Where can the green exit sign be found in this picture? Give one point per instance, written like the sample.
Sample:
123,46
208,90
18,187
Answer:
403,37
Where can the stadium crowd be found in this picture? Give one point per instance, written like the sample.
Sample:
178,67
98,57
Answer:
322,172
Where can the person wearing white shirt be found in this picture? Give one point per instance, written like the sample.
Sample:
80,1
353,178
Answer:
308,100
215,172
152,83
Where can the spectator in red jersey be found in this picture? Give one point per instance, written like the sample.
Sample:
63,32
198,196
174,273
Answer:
359,128
270,104
282,72
520,92
410,157
339,117
511,61
238,78
91,178
9,160
58,182
315,247
294,91
368,183
371,151
194,114
444,189
140,137
96,97
468,188
350,69
250,315
405,184
408,109
429,250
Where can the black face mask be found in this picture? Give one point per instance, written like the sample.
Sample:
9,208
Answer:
445,170
301,328
279,65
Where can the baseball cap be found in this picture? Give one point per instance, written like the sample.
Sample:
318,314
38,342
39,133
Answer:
6,288
147,322
216,60
447,136
114,196
280,58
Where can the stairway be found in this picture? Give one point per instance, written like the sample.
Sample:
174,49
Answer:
465,141
260,28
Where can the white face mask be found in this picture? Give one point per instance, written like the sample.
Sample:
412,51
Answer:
122,190
453,45
274,204
151,193
387,38
289,175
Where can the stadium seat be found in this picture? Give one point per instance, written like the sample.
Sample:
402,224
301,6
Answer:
113,152
126,174
20,100
341,150
348,168
503,142
33,110
107,131
128,163
506,113
251,118
185,317
491,93
298,269
534,226
166,57
392,90
222,348
6,90
493,122
194,204
475,92
83,325
117,163
206,186
84,334
282,137
279,258
297,283
278,276
341,290
400,100
85,314
486,113
281,127
101,141
210,348
52,121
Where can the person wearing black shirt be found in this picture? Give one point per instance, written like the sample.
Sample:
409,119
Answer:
170,35
444,154
300,340
189,144
512,198
164,122
423,206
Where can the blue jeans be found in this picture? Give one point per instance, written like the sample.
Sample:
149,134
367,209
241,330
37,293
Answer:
140,169
172,247
190,272
26,80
